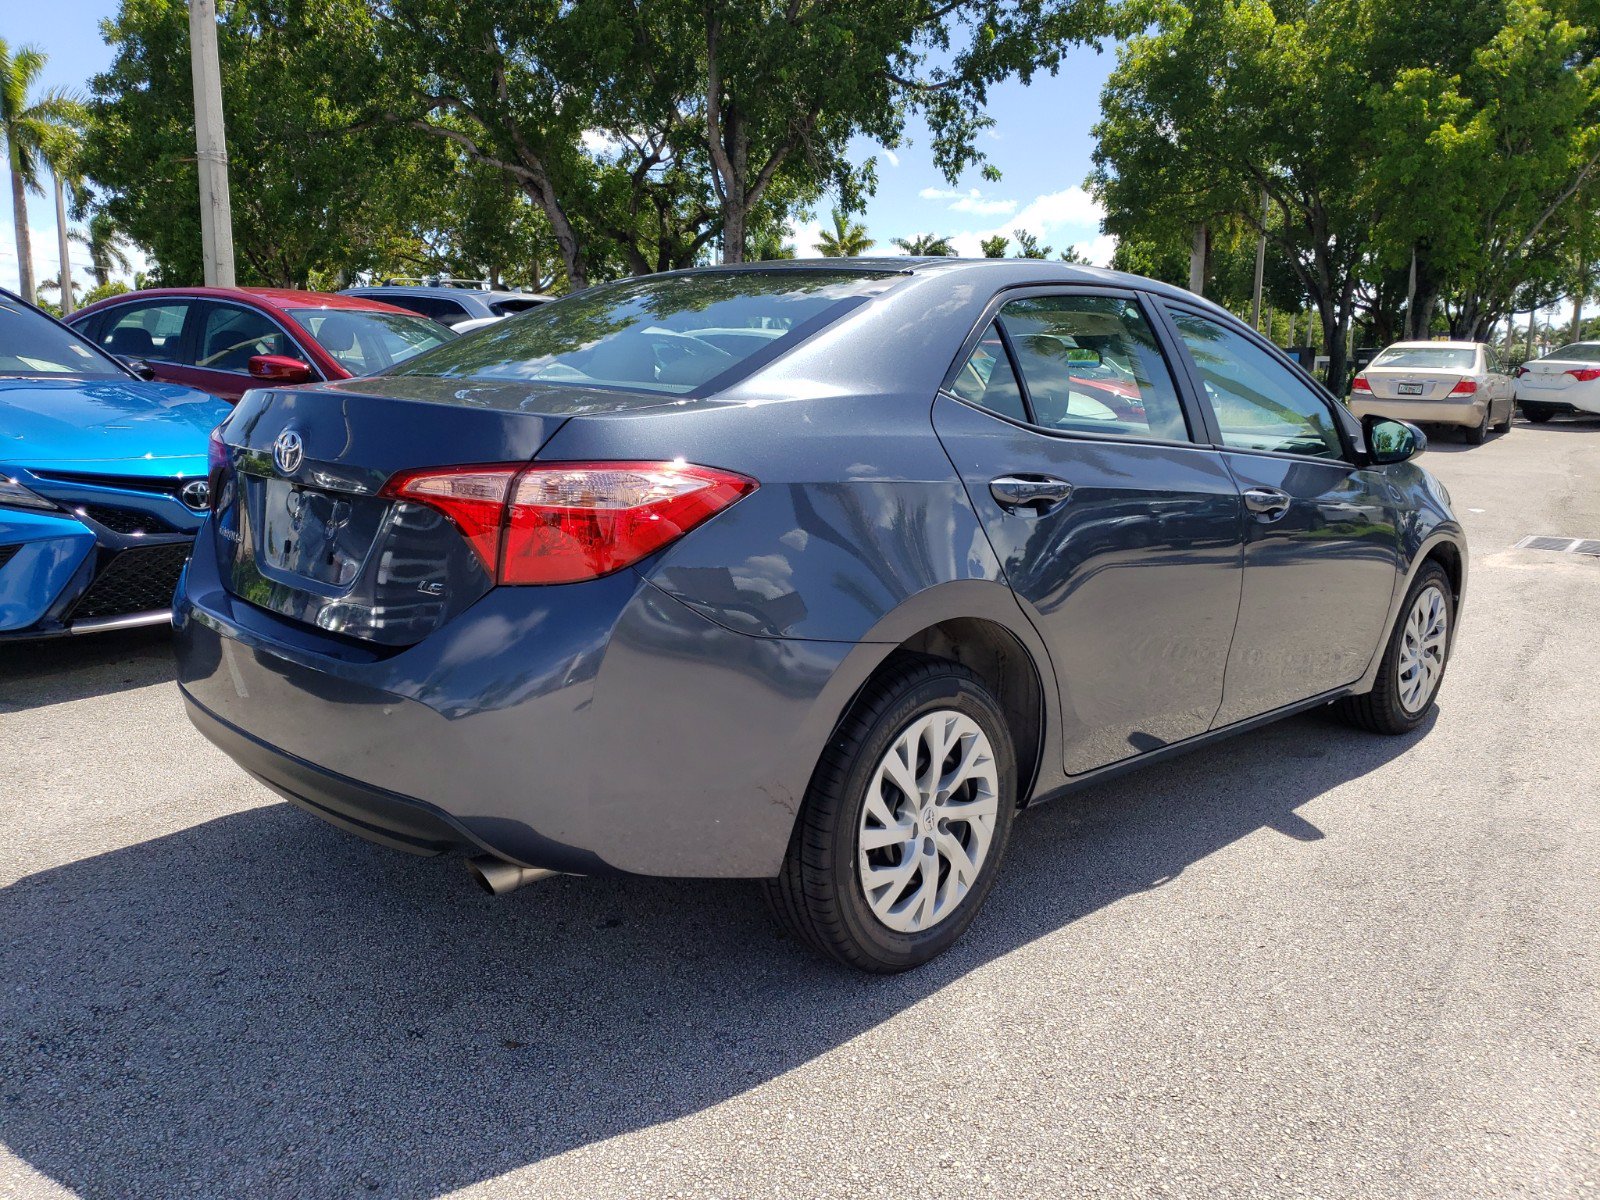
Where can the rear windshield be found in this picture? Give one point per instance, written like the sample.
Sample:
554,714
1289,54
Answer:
34,345
1577,352
1452,358
661,334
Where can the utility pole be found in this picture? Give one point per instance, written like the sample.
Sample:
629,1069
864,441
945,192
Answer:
1197,262
211,146
1411,300
1261,267
1533,319
61,235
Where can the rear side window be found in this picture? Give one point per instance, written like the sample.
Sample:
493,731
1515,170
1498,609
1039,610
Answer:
670,334
150,331
1091,364
987,380
1259,403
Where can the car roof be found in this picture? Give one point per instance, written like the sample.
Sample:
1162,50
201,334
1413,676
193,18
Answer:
281,299
442,290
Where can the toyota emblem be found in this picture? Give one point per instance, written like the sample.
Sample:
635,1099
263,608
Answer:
196,495
287,452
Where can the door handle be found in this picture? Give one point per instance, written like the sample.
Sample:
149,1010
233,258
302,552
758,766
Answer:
1267,503
1037,493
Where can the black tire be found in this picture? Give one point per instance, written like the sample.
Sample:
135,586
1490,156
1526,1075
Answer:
1380,710
1475,434
1537,413
1505,426
818,896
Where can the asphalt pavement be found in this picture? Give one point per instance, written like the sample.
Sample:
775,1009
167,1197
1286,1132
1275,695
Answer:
1307,962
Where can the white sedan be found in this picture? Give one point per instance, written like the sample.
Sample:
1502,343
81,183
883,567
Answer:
1564,381
1437,383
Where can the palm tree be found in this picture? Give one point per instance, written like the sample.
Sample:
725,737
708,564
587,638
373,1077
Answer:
847,239
107,248
926,245
40,132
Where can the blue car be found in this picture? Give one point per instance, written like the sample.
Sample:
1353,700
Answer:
103,482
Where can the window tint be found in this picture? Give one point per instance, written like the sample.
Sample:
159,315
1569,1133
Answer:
1259,403
446,312
1091,364
668,334
151,331
33,344
987,380
363,342
505,308
231,337
1577,352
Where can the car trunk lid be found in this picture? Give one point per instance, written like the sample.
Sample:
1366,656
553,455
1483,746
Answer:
303,527
1412,383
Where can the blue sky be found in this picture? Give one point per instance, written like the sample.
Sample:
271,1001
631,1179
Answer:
1041,143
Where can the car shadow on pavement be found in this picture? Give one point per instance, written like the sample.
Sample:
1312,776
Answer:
261,1005
56,670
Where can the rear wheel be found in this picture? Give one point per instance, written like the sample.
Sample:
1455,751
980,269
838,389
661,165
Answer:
1414,661
1475,434
1537,413
905,823
1511,411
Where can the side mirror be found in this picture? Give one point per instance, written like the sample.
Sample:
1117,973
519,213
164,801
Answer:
1391,442
140,368
278,368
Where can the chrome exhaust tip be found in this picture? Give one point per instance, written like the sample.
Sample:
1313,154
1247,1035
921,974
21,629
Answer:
497,877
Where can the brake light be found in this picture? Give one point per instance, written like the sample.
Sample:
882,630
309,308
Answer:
1465,388
1521,371
567,522
217,464
1585,374
1360,384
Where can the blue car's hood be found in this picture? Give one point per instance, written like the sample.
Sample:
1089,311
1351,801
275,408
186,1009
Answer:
100,421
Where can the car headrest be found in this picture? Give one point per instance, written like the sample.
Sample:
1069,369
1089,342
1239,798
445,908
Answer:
337,333
131,341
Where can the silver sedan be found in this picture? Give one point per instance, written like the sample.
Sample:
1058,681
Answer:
1437,383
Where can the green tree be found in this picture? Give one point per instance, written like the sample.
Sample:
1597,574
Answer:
107,247
1028,246
926,245
995,247
37,131
312,193
847,238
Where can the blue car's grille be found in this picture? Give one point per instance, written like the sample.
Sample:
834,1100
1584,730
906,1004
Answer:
125,520
135,581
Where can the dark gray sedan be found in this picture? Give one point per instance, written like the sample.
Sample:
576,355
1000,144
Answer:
811,572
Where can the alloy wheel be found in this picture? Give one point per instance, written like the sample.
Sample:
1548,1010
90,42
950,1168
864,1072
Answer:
928,821
1422,649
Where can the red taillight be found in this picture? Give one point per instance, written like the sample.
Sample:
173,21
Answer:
1521,371
566,522
216,468
1465,388
1360,384
1585,374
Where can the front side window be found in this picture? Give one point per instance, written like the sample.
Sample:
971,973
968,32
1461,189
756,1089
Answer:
670,334
1091,364
150,331
31,344
231,337
1258,402
363,342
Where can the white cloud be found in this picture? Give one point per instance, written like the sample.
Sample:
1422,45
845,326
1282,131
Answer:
894,159
972,201
1070,217
804,241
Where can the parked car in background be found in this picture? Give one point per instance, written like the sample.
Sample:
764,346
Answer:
1462,384
1564,381
102,482
607,590
229,340
461,308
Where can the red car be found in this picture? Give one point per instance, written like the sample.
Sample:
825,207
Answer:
228,340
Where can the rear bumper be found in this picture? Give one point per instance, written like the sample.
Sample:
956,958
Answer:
596,728
1559,401
1467,413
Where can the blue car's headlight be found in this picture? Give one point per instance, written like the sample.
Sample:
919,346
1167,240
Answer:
14,495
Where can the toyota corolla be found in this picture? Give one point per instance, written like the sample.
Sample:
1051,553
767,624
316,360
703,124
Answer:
604,589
